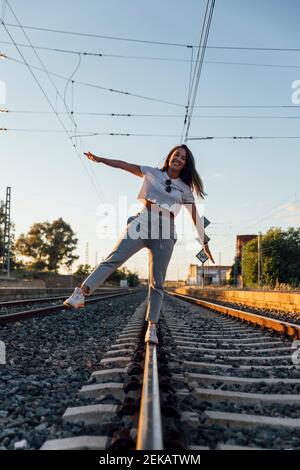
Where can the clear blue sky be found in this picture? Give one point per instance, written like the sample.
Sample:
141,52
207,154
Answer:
251,185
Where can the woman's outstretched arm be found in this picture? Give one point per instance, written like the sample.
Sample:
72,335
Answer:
134,169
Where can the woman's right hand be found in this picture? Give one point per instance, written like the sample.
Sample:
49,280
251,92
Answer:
92,157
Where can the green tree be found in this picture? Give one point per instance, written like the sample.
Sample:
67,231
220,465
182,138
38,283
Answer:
280,255
235,270
61,244
48,245
292,253
124,273
250,263
33,246
133,279
117,275
83,270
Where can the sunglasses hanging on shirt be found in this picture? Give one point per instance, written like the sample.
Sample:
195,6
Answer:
168,186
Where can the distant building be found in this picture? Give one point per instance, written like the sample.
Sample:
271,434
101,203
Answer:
215,275
241,240
171,283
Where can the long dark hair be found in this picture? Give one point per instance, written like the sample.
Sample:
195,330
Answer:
188,174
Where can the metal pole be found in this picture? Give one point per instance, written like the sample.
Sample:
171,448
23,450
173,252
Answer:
261,265
242,268
71,276
7,239
258,260
2,261
235,272
87,254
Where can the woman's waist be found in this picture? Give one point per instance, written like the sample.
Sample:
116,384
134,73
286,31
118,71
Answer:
157,210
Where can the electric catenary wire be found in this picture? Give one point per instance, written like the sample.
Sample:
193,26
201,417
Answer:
127,134
150,58
193,74
198,68
136,115
159,43
144,97
57,93
92,85
45,95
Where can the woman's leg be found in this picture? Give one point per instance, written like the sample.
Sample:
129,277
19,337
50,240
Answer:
160,252
122,251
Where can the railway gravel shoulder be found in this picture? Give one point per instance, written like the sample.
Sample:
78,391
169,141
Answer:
48,360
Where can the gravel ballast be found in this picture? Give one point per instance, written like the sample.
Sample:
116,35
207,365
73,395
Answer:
48,360
184,318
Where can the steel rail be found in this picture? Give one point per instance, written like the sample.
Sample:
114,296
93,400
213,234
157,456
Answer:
12,317
283,327
149,434
13,303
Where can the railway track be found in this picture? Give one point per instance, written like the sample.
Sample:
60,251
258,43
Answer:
18,315
37,300
214,382
114,393
237,385
47,359
226,387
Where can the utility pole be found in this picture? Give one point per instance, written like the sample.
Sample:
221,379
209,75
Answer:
2,211
71,275
235,271
87,253
259,259
6,237
219,268
261,267
242,268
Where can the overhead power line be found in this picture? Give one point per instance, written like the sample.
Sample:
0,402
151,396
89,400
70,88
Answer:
159,43
243,137
194,82
130,134
92,85
150,58
44,93
137,115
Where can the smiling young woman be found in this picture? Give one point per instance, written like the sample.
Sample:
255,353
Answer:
163,192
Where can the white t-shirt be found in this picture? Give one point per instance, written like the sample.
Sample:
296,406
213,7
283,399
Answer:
153,189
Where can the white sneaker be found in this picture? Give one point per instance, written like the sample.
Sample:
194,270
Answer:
151,336
76,300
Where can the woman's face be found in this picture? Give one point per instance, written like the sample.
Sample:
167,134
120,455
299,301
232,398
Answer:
178,159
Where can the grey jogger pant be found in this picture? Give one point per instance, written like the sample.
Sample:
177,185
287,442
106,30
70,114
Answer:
153,231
